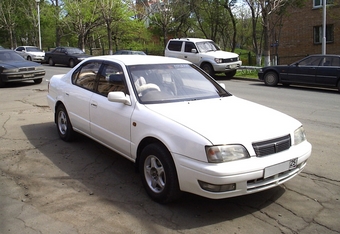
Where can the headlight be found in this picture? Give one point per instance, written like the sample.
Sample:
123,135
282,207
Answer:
225,153
15,70
299,135
218,60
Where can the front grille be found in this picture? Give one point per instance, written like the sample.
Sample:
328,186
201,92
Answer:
23,69
272,146
229,60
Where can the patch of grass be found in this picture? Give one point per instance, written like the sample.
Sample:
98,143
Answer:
247,73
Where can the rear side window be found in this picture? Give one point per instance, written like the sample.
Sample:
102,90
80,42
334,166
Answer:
175,45
85,76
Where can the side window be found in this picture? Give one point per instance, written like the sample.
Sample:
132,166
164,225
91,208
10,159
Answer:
85,76
311,61
175,45
189,46
111,79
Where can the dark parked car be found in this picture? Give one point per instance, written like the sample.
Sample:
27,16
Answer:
13,67
69,56
129,52
316,70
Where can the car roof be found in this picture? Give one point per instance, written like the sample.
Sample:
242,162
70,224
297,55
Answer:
191,39
135,59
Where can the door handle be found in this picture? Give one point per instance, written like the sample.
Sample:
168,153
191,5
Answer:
94,104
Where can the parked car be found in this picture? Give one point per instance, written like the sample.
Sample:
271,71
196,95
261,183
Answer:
13,68
31,53
317,70
69,56
183,131
119,52
205,54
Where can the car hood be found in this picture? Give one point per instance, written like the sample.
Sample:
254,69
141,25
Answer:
18,64
228,120
221,54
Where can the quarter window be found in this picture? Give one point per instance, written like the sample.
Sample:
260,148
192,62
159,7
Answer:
175,45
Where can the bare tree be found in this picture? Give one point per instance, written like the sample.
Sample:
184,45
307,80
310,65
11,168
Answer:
7,18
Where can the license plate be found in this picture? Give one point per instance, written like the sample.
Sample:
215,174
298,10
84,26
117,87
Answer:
281,167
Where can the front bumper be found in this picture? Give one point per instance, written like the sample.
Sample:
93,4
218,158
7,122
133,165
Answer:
247,175
22,76
225,67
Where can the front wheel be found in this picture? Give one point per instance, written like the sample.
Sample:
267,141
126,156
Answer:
158,173
230,74
271,78
64,125
208,69
71,63
50,62
38,81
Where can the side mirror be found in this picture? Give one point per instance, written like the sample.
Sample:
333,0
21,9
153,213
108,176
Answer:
193,51
120,97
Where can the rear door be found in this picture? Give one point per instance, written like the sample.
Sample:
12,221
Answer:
329,71
78,98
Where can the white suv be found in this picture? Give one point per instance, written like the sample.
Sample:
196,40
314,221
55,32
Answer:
205,54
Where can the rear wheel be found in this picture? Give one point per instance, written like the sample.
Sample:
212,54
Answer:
158,173
339,86
208,69
64,125
271,78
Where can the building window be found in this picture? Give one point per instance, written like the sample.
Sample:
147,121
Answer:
319,3
318,34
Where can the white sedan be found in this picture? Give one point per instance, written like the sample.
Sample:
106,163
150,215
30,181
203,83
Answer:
183,130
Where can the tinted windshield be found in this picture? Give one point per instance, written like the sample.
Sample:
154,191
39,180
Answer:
207,46
6,56
173,82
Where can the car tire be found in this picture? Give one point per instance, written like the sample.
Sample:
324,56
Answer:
51,62
208,69
271,78
71,63
64,126
29,58
37,81
338,86
230,74
158,173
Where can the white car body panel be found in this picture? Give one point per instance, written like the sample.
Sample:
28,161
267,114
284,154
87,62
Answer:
185,128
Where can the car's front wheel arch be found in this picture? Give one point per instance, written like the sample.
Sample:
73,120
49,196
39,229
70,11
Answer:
161,183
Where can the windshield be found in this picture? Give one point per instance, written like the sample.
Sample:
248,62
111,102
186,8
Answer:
33,49
157,83
6,56
207,46
74,51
